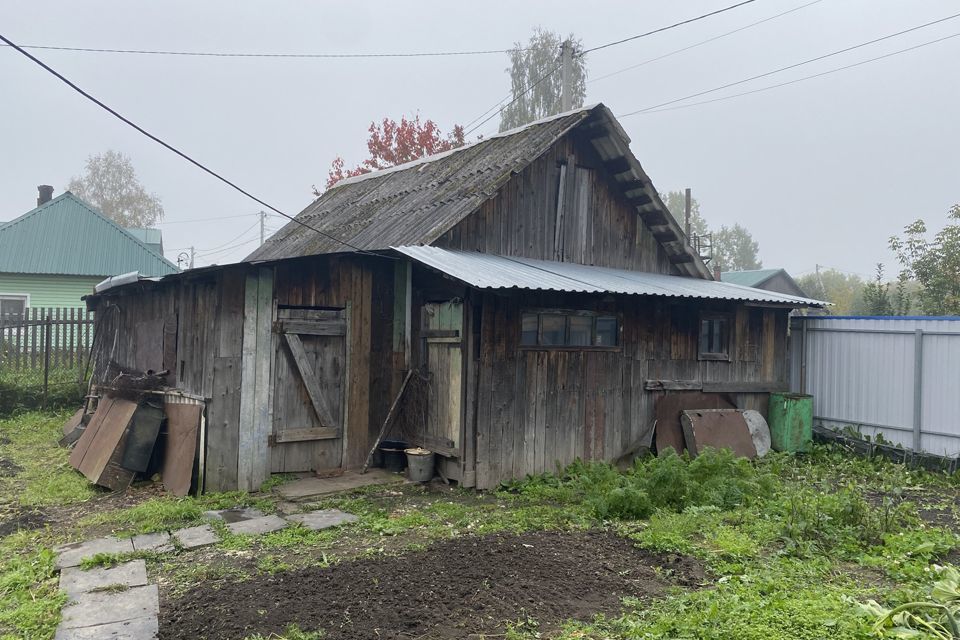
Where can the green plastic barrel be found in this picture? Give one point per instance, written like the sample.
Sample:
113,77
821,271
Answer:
791,422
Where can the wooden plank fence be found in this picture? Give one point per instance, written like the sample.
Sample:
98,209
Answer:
45,338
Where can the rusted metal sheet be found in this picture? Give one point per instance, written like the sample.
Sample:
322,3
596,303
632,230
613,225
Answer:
183,424
717,428
669,431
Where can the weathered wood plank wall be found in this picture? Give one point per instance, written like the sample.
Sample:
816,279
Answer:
367,286
597,225
193,327
538,407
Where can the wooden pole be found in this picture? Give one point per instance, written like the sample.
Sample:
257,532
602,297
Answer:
391,414
46,360
686,212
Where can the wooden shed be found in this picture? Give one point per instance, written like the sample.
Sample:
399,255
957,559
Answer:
545,299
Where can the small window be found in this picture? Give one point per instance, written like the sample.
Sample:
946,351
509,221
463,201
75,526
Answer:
714,337
606,333
582,329
12,307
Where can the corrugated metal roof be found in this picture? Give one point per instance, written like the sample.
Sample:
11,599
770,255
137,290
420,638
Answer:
486,271
68,236
749,278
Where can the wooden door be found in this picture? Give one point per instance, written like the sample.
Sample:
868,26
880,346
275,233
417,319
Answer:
310,380
443,334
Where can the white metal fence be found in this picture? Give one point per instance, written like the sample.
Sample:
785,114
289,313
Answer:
897,376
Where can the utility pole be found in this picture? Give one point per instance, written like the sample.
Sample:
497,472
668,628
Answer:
193,254
566,75
687,200
263,217
823,290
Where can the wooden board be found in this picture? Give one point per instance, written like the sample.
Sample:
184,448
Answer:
102,442
309,383
74,421
183,424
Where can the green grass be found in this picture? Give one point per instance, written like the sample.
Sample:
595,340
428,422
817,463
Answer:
790,544
22,391
46,478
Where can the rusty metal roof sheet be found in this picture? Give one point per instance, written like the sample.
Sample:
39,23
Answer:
486,271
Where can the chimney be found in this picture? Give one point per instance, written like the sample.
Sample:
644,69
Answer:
716,272
46,193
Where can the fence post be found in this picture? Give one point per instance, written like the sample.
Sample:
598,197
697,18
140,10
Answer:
46,360
917,388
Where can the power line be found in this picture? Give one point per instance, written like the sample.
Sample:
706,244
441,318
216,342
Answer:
169,146
242,233
522,93
668,27
239,215
810,77
232,54
788,67
582,53
702,42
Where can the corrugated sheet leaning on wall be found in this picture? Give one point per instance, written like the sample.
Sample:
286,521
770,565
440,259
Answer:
896,376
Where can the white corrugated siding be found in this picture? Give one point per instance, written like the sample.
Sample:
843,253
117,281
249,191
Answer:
861,372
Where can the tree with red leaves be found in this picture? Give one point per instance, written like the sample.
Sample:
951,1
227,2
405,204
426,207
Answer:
392,143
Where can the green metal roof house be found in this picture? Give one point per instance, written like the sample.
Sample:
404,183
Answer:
776,280
55,254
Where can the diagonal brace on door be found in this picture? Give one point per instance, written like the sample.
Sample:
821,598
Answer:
309,380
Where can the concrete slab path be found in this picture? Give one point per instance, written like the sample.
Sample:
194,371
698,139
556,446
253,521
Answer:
74,581
71,555
322,519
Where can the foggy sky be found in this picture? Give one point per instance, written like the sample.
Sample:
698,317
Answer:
821,172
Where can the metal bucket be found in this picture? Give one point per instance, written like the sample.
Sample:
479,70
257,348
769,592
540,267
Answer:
420,464
393,456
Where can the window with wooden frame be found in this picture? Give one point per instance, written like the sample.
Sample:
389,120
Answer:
569,330
715,336
13,306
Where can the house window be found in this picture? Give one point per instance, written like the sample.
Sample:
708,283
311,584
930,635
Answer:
714,337
13,306
568,329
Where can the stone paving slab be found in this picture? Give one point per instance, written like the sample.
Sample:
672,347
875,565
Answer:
103,607
75,581
196,537
237,514
146,628
322,519
258,526
159,542
71,555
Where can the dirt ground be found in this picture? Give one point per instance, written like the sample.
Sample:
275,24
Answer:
454,589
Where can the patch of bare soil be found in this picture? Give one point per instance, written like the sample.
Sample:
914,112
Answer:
21,520
453,589
8,468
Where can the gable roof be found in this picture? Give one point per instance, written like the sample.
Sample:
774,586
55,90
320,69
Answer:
417,202
67,236
752,278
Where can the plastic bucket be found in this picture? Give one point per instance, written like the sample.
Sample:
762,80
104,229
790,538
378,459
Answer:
420,464
394,458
